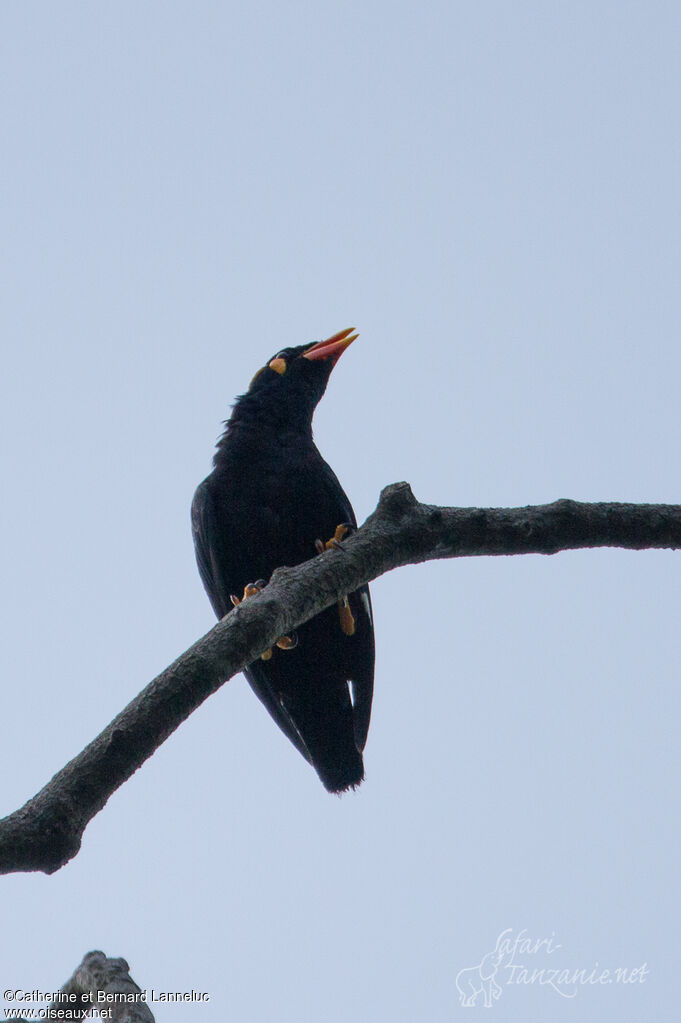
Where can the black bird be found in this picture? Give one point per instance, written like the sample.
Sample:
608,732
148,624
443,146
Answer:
269,500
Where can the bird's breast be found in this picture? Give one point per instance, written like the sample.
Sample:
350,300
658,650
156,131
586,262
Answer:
279,500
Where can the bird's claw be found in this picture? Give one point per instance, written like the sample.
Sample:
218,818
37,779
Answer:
284,643
345,615
250,590
341,531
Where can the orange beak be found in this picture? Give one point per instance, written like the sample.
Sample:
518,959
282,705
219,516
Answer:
333,347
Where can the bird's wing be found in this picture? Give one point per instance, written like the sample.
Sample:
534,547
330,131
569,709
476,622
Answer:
362,663
360,647
206,536
260,683
211,550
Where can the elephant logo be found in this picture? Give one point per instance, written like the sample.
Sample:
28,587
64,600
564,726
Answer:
473,981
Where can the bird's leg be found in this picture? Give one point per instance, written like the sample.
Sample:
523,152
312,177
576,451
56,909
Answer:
284,642
347,620
341,531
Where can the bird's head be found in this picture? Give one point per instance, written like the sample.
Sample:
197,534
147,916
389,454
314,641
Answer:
290,385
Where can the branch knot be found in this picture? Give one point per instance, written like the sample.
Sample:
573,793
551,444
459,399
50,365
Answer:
397,500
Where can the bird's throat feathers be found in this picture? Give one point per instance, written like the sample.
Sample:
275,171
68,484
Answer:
258,423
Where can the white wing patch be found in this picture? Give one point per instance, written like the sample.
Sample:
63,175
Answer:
367,607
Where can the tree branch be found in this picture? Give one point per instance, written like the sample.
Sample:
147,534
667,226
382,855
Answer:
46,832
121,999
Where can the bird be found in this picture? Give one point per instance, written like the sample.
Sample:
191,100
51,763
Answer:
272,500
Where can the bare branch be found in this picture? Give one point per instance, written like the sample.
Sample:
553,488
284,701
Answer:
46,832
104,984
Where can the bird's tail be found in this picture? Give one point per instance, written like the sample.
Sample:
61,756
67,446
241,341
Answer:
329,735
323,730
339,770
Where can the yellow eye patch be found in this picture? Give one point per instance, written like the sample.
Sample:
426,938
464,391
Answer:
278,365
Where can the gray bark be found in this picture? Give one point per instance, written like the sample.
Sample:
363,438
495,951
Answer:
111,977
46,832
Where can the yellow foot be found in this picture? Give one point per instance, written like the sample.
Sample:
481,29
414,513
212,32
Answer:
335,541
284,642
250,590
347,620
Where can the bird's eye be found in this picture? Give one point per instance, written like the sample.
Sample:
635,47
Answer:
278,364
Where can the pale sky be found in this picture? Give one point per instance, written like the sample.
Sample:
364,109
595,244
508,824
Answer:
490,192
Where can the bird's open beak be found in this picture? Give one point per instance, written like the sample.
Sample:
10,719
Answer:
333,347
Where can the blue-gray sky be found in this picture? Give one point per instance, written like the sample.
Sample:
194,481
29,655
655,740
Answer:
491,193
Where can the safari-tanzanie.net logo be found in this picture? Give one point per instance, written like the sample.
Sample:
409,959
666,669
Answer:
519,960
